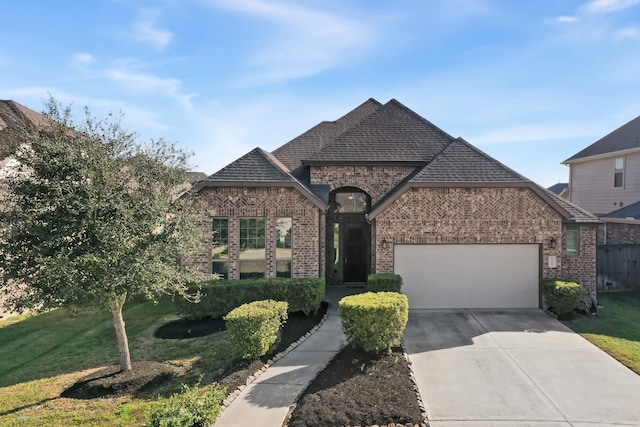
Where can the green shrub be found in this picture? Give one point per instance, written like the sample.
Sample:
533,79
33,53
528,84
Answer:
388,282
374,321
562,297
254,328
189,408
219,297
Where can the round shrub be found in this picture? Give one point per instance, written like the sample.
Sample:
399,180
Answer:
254,328
561,296
191,407
374,321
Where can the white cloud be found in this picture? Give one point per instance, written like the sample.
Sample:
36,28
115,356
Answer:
308,41
627,33
606,6
145,31
567,19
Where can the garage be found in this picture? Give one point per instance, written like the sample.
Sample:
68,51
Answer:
469,276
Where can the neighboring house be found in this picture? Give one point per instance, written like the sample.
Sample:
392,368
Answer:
561,189
604,179
383,190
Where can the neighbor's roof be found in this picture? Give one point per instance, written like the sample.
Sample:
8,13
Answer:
628,212
558,188
626,137
11,114
391,134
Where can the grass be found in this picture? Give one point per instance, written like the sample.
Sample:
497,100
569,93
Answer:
617,329
40,356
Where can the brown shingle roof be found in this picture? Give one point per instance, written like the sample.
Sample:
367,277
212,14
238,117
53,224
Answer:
302,147
462,162
11,114
626,137
257,165
392,134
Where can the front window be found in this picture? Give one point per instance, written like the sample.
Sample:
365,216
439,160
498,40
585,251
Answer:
572,242
618,172
252,248
351,202
283,247
220,247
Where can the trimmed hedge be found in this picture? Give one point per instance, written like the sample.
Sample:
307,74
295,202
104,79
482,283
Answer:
188,408
387,282
254,328
374,321
219,297
561,296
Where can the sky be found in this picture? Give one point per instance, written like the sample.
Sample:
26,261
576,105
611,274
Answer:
529,82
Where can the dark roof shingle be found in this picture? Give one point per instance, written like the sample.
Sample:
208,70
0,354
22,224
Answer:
392,134
462,162
628,212
256,166
293,152
626,137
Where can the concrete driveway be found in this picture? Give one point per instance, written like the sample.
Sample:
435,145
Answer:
515,368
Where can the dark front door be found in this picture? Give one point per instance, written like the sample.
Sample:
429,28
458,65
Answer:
355,253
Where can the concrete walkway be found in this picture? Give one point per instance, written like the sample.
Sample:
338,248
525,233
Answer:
477,368
266,401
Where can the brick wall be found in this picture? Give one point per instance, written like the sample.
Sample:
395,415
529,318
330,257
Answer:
618,234
269,203
374,180
582,267
481,215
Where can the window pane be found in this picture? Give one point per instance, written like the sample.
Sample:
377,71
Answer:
221,268
354,202
283,268
254,269
283,238
252,241
220,238
618,172
572,242
336,248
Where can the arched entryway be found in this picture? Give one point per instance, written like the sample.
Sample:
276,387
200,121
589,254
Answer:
348,237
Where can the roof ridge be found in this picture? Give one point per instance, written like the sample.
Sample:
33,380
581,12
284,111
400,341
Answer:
410,111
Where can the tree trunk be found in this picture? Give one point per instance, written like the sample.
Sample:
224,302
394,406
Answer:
117,301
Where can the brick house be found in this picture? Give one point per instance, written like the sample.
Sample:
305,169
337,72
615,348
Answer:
383,190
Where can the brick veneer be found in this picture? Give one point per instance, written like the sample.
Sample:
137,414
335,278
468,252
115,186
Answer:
375,180
269,203
619,234
481,215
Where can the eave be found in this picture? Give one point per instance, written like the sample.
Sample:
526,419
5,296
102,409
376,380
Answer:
601,156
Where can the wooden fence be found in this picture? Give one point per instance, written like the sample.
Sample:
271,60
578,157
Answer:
618,267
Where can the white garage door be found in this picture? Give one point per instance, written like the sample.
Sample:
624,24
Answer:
469,276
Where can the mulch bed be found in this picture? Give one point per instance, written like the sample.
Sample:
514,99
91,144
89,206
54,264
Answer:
356,388
360,389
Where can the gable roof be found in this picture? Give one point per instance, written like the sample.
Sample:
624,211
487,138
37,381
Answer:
11,114
626,137
293,152
461,162
256,165
559,188
257,168
391,134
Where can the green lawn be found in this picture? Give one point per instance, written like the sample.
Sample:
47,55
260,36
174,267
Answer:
617,329
42,355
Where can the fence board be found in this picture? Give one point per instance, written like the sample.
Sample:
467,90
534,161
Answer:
618,267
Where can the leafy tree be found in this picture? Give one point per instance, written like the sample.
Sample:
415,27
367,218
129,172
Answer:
91,216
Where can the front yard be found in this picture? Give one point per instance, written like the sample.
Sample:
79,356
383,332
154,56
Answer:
617,329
